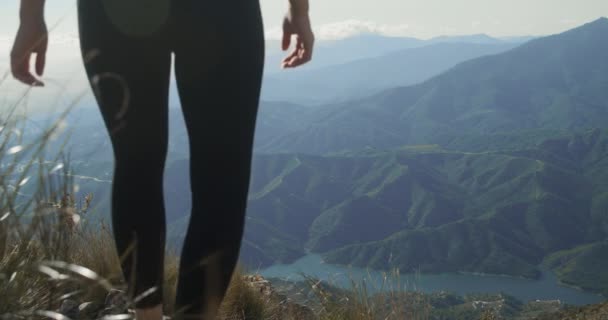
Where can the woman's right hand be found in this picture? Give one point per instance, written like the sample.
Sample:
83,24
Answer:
297,22
32,38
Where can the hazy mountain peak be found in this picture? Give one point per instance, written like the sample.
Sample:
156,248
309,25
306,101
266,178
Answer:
599,24
588,38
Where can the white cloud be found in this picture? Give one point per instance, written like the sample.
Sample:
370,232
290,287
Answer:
349,28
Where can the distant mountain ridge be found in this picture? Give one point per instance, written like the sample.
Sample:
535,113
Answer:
558,82
344,50
369,45
344,81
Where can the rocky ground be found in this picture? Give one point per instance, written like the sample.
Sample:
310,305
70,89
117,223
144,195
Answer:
591,312
114,304
288,306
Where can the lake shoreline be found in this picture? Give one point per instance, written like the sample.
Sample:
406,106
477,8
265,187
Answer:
546,287
543,272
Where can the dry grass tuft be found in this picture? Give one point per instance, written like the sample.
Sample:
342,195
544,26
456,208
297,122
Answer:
50,251
363,301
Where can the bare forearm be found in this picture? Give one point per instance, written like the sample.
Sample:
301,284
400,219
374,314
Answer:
32,10
300,6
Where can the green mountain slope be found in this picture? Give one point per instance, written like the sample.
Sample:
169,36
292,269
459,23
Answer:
433,210
524,205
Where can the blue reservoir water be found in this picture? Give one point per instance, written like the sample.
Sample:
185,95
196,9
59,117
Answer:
546,288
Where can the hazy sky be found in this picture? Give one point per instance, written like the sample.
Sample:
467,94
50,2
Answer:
418,18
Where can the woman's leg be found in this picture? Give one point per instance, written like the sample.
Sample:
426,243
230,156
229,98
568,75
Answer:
130,79
219,56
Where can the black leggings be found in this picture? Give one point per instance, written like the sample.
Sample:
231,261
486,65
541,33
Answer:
218,47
